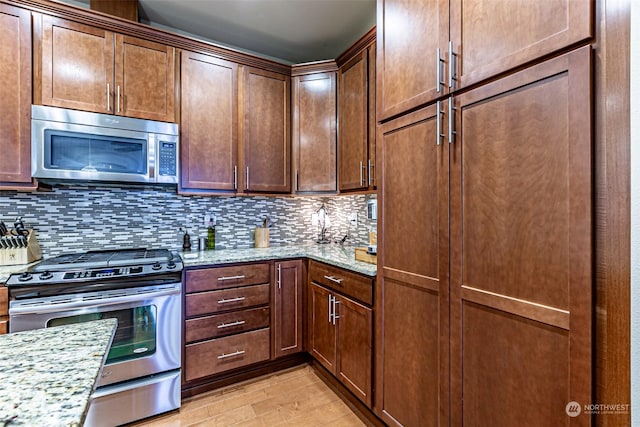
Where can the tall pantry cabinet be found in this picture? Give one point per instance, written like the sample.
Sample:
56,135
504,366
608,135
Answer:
484,306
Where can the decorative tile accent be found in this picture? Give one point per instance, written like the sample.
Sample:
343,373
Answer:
90,217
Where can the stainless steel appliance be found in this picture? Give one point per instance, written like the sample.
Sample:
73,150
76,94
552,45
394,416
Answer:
78,145
142,290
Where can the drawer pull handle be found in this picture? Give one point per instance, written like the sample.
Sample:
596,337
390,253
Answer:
222,279
226,301
235,353
232,324
333,279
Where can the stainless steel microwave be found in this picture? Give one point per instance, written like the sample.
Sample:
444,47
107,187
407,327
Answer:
78,145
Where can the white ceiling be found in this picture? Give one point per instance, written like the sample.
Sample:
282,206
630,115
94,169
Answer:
291,31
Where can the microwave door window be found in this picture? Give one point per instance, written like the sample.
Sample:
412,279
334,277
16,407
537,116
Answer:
95,153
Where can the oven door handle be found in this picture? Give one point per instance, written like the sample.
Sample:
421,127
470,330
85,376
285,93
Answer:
91,303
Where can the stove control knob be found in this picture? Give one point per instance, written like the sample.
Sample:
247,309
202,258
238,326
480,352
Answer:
156,266
25,277
171,265
45,275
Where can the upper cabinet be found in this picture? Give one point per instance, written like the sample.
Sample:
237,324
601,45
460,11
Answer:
430,48
314,133
356,116
209,123
15,92
88,68
266,140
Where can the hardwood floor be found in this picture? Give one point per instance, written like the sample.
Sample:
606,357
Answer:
294,397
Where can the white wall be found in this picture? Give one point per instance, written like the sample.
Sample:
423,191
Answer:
635,214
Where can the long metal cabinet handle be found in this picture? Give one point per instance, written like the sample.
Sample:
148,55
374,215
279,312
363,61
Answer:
235,177
108,98
361,173
439,61
335,316
223,278
439,112
330,308
230,325
452,75
118,103
246,184
369,172
333,279
226,301
295,186
279,276
235,353
451,131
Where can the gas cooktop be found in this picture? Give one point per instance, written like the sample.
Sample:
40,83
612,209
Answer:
102,259
78,268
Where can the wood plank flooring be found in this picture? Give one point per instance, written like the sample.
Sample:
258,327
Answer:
293,397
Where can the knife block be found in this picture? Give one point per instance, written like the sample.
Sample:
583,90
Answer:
17,256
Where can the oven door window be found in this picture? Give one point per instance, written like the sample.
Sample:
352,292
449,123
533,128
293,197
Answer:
76,151
135,335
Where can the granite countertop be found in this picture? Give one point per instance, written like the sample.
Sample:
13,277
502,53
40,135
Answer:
47,375
339,256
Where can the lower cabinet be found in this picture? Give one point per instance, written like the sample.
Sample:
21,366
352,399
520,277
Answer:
286,308
227,319
340,328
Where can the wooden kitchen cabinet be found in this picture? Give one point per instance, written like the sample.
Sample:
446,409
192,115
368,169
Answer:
412,315
522,247
354,126
340,329
356,101
15,93
287,308
266,141
87,68
4,310
314,133
209,123
227,319
486,39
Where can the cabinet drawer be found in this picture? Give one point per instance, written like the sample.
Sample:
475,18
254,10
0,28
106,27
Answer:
220,325
350,284
227,299
221,354
210,279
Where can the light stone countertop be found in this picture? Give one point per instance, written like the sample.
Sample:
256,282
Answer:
339,256
47,375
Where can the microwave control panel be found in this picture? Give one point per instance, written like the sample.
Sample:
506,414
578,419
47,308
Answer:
168,158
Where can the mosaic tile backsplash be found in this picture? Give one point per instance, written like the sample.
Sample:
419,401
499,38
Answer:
87,217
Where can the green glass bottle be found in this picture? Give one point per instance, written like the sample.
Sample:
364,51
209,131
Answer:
211,237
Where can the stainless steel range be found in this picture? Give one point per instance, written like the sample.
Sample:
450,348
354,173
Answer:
141,289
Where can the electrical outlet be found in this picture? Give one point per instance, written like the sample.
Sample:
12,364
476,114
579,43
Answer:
353,219
207,219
